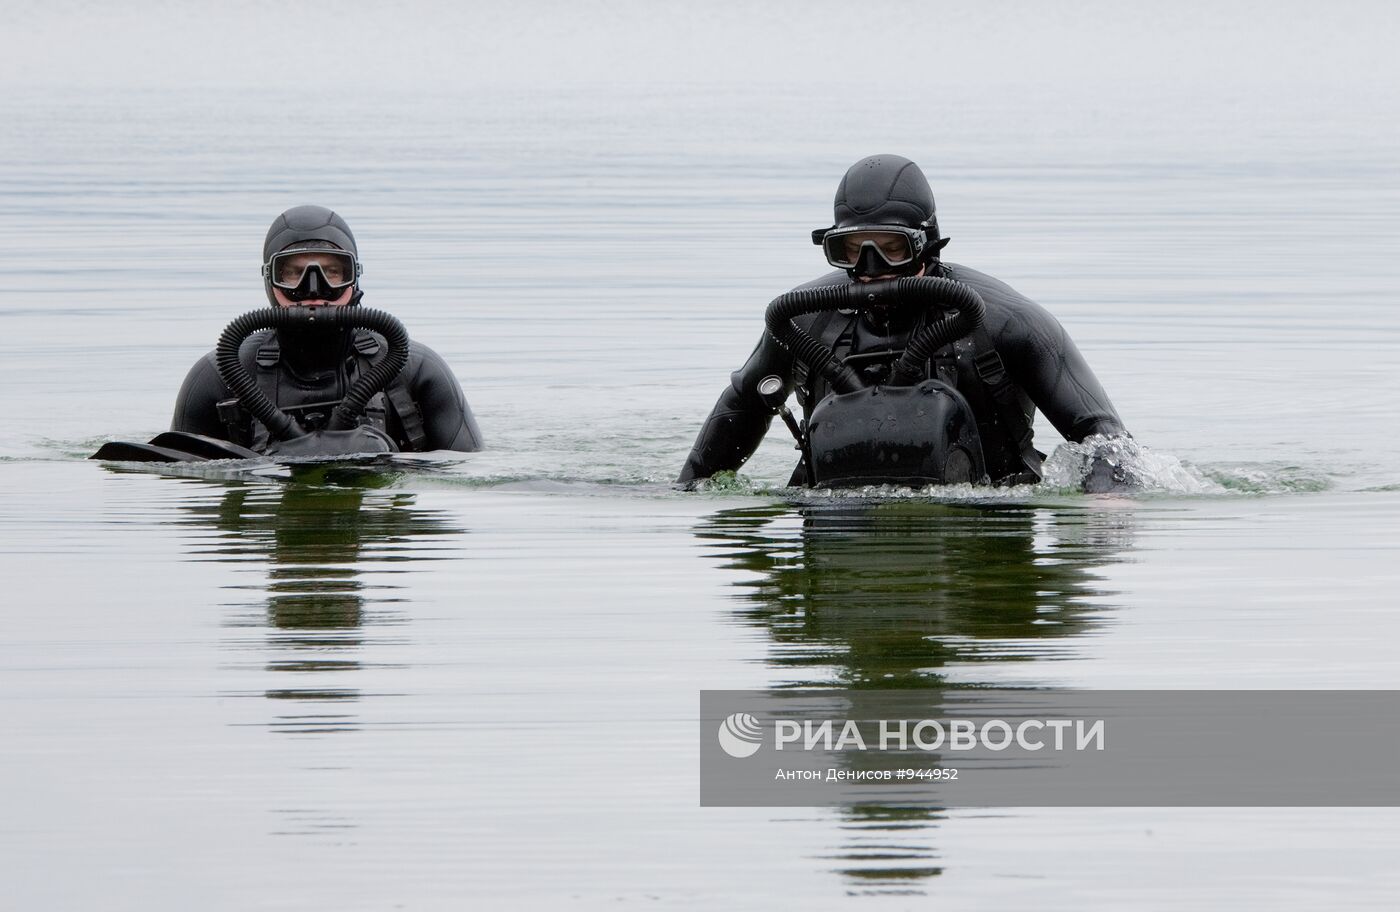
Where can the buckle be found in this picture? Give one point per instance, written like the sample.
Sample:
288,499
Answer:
366,344
990,369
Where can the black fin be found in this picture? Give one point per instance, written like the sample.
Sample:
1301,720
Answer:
124,451
202,446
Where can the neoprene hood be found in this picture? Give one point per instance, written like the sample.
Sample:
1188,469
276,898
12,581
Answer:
306,223
885,190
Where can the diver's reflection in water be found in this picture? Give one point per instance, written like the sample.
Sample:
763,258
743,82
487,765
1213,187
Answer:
895,595
323,548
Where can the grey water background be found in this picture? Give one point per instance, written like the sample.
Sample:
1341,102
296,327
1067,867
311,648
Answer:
478,682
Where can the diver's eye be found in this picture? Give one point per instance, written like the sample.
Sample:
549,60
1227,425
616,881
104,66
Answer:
893,248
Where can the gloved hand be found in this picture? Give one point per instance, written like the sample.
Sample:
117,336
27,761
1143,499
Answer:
1108,471
1104,477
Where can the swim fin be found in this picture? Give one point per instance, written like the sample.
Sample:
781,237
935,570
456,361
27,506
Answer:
173,446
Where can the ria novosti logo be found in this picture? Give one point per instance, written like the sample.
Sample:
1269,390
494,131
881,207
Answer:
740,735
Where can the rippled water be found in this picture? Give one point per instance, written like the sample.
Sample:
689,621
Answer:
476,680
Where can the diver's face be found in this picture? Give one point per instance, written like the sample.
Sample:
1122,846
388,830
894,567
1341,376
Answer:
284,301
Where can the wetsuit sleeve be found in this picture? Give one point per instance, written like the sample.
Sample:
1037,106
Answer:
448,422
740,418
1044,361
197,405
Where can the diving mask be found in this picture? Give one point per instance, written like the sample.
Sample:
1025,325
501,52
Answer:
311,274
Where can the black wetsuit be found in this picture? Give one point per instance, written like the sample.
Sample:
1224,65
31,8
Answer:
306,374
1042,369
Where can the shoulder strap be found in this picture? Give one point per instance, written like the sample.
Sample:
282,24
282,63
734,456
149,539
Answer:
266,374
410,416
269,355
829,328
800,369
991,370
396,395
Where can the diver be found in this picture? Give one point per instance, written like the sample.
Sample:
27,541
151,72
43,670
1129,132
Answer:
1015,359
310,260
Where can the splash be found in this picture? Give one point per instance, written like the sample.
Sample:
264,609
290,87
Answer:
950,494
728,483
1122,465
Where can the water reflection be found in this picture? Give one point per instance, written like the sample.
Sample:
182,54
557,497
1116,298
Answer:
330,586
899,594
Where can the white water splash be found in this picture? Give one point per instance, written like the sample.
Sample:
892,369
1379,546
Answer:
1136,468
